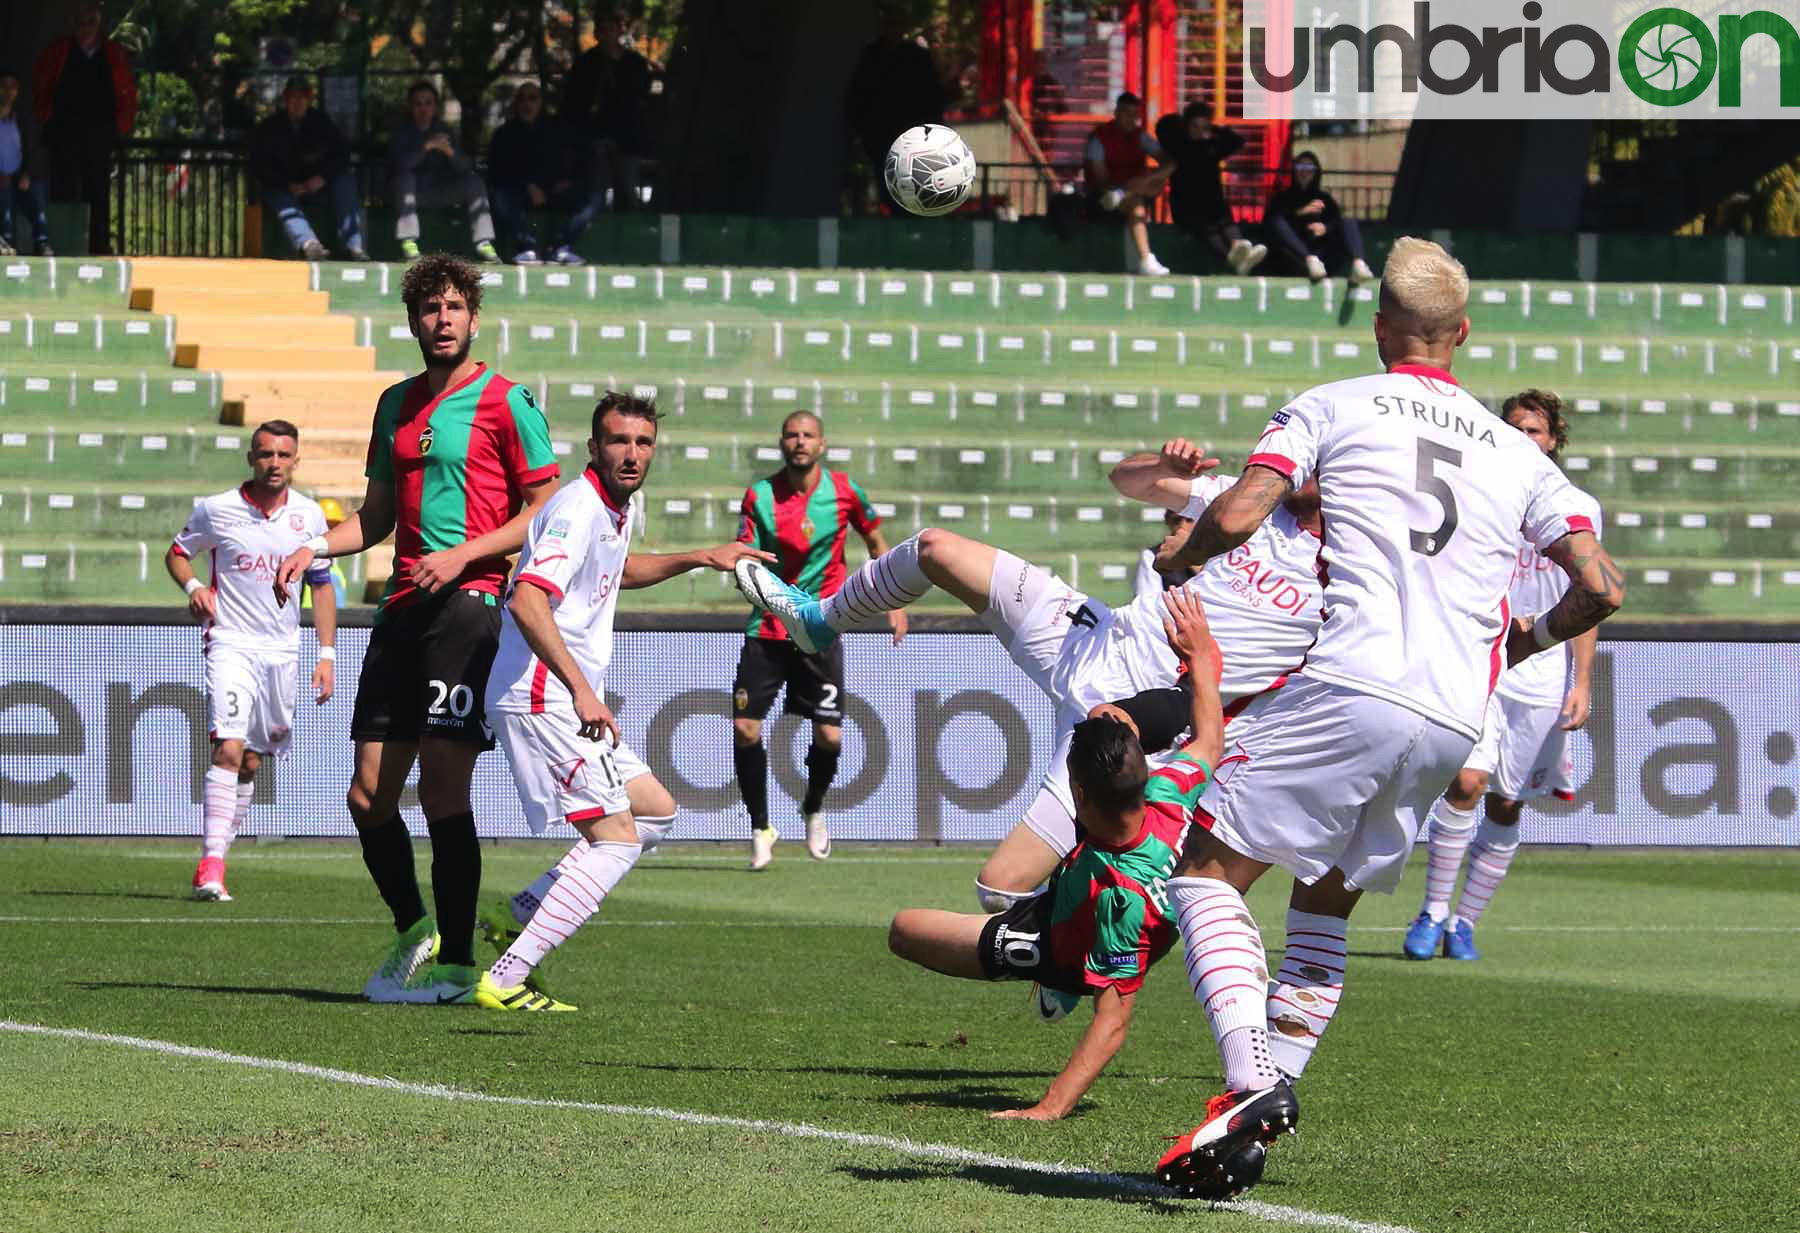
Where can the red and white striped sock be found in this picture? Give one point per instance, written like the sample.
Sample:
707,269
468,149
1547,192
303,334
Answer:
1229,974
218,809
1451,830
525,904
1495,847
890,581
576,895
244,792
1306,989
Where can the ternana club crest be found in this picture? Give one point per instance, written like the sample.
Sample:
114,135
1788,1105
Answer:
425,441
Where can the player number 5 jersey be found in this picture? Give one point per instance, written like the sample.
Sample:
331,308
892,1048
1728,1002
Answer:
575,550
1426,496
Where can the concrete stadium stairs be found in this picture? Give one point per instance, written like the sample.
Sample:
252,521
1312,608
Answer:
990,403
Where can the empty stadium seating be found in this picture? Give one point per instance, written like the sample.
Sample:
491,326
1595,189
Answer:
993,404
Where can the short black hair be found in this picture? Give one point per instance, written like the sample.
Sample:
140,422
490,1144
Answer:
434,272
798,412
1196,109
276,428
624,404
1547,404
421,84
1128,97
1107,761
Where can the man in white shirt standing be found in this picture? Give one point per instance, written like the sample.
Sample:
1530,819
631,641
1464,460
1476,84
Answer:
252,645
1524,747
545,699
1426,495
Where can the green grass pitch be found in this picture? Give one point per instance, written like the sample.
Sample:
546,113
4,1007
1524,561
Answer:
1621,1059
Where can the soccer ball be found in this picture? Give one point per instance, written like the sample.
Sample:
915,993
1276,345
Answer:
1051,1004
929,170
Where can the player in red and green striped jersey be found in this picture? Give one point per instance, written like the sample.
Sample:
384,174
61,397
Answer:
459,462
1105,917
804,514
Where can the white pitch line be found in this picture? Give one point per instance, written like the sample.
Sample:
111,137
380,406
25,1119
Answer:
224,918
793,1130
673,857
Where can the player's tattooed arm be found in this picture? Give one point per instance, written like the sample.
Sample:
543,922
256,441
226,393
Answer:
1163,479
1097,1046
1233,516
1596,591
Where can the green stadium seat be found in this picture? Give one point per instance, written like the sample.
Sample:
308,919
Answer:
97,281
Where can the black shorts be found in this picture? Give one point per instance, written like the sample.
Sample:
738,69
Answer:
426,670
815,683
1015,945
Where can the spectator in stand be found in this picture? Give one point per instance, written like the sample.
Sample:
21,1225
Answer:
16,187
1312,232
533,164
1149,580
1199,149
86,100
428,171
607,101
1120,182
895,86
299,156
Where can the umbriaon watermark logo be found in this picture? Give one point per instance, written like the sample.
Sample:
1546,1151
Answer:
1570,60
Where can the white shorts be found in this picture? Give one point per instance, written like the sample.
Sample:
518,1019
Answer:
1524,751
559,773
250,697
1315,775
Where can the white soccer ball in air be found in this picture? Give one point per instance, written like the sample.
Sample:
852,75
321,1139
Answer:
930,170
1051,1004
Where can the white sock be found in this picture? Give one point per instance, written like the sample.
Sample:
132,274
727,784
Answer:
652,831
244,792
1229,974
218,809
576,895
1306,990
525,904
890,581
1495,846
1451,830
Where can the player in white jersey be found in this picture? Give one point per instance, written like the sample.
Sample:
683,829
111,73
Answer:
1076,649
252,645
1524,747
544,699
1426,496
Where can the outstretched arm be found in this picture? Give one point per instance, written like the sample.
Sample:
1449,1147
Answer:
1186,628
1234,515
368,526
646,569
1097,1047
1596,591
1164,478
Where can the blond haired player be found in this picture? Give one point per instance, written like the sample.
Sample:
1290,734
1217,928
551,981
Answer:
1426,495
544,698
252,644
1524,747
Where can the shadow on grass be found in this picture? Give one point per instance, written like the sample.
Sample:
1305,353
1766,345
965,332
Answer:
1139,1190
270,991
94,894
967,1096
1380,954
871,1072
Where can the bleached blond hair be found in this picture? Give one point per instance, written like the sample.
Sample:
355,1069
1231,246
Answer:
1424,288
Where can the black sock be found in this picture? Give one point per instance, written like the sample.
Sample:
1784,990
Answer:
455,885
752,763
821,769
387,852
